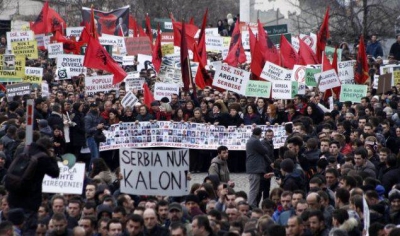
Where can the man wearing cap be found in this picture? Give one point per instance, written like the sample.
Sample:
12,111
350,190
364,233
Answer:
93,123
175,215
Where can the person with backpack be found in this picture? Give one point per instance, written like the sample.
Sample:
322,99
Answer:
219,166
24,179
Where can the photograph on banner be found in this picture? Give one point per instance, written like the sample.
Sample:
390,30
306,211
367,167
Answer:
327,80
27,48
73,62
154,172
376,82
99,83
353,92
214,43
183,135
272,73
74,31
167,49
257,88
299,73
128,60
33,75
13,75
396,77
138,45
45,89
129,100
310,79
165,90
18,36
55,49
282,89
169,72
115,22
8,62
231,78
117,42
346,71
19,89
70,180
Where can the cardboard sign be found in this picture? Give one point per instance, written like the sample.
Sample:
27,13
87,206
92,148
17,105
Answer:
299,73
70,180
73,62
118,58
33,75
231,78
154,172
214,43
138,45
384,83
45,89
327,80
18,36
19,89
129,99
282,89
167,49
165,90
310,79
128,60
27,48
117,42
74,31
257,88
353,92
15,75
55,49
103,83
144,62
346,71
272,72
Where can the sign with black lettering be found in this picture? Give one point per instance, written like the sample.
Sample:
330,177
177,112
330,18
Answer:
70,180
74,62
154,172
231,78
19,89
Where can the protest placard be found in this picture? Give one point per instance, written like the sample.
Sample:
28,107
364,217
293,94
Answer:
256,88
128,60
346,71
231,78
154,172
366,214
214,43
19,89
118,58
55,49
27,48
99,83
167,49
165,90
73,62
129,99
8,62
45,89
138,45
74,31
296,44
272,72
134,81
329,51
327,80
310,40
299,73
353,92
384,83
301,89
33,75
15,75
282,89
70,180
167,37
376,82
144,62
118,43
396,77
310,79
18,36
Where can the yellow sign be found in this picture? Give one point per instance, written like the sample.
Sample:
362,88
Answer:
396,77
13,75
167,49
227,41
33,75
26,48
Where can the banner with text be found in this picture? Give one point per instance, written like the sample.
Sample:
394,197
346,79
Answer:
327,80
74,62
346,71
100,83
55,49
257,88
282,89
129,100
27,48
138,45
165,90
33,75
353,92
70,180
9,72
18,36
19,89
272,73
74,31
231,78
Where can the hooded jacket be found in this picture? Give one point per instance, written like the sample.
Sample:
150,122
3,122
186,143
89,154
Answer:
219,167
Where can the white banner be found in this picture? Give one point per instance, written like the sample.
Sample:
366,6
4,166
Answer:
327,80
103,83
128,60
117,42
74,62
55,49
45,89
272,72
118,58
70,181
129,99
145,62
295,43
15,36
154,172
133,81
282,89
165,90
214,43
346,71
231,78
74,31
299,73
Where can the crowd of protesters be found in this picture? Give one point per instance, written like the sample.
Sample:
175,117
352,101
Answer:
333,159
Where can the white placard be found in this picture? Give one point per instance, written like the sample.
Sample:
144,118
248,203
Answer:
70,181
299,73
376,82
35,71
145,62
15,36
310,40
214,43
129,99
74,31
346,71
63,73
133,81
231,78
272,72
366,215
282,89
327,80
246,39
103,83
154,172
301,89
295,44
128,60
118,58
45,89
165,90
74,62
117,42
55,49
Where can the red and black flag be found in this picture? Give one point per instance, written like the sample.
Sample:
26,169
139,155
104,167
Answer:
289,55
149,32
202,40
361,68
115,22
202,78
185,63
323,35
157,54
48,21
270,52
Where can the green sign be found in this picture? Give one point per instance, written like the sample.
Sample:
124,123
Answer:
310,80
257,88
329,51
276,29
353,92
295,88
276,39
165,24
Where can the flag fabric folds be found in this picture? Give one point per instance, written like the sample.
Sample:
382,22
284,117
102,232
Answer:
323,35
361,70
48,21
289,55
157,54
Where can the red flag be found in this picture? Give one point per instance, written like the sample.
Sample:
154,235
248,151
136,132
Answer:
335,61
361,68
149,32
141,31
157,54
85,35
236,55
323,35
202,78
97,57
289,55
39,25
307,56
267,46
191,31
257,60
236,35
69,45
191,21
202,40
48,21
185,64
92,26
148,95
133,25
